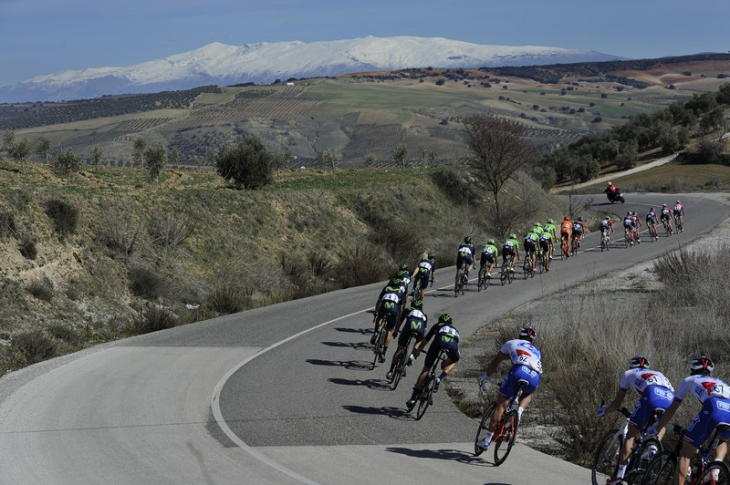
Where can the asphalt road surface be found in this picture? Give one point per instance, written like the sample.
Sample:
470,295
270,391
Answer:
282,394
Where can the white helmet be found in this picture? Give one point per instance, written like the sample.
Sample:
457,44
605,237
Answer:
610,184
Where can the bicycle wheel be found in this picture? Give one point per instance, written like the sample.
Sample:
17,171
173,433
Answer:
504,274
400,366
608,453
640,460
379,344
717,473
526,268
505,439
661,469
424,399
483,426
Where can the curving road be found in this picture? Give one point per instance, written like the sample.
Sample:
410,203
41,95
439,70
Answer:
280,394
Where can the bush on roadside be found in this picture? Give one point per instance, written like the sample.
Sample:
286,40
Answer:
27,247
151,319
227,298
361,264
41,289
146,283
7,224
31,347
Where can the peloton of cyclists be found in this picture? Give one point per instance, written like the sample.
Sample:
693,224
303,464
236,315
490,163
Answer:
447,338
714,395
656,396
526,366
415,324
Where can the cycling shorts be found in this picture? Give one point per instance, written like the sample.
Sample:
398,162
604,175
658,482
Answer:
564,234
508,251
461,259
452,350
577,233
628,225
415,327
487,258
664,216
424,276
715,410
605,229
544,244
516,374
654,398
651,220
677,213
389,312
530,246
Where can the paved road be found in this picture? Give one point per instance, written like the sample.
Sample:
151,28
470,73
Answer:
206,404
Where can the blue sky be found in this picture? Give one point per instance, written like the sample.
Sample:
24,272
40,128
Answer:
48,36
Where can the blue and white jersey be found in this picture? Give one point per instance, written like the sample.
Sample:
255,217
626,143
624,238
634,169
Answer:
522,352
702,387
640,379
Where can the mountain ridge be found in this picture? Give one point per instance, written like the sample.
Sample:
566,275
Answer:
223,64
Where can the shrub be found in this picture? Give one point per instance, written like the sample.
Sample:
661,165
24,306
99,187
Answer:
65,216
249,164
168,230
122,228
361,265
145,283
7,223
455,186
41,289
66,334
31,347
228,298
151,319
27,247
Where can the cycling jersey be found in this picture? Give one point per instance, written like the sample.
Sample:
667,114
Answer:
656,393
666,213
678,209
465,255
606,225
447,338
537,229
566,227
489,254
714,395
628,222
424,271
416,322
651,217
551,228
390,304
578,227
526,366
530,241
545,239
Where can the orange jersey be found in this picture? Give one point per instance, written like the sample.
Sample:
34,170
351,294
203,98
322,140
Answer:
566,226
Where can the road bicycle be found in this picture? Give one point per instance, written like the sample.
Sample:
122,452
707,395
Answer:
425,395
506,431
462,279
678,223
541,261
399,371
667,226
574,245
652,231
605,240
527,269
506,275
417,288
628,237
564,246
379,346
608,454
663,468
484,278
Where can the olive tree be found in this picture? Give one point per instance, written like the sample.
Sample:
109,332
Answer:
66,163
43,148
155,159
248,163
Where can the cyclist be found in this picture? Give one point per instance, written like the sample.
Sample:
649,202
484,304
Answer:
553,230
546,246
629,227
651,223
607,226
425,270
566,227
678,211
537,229
656,396
447,337
637,227
465,256
714,395
490,253
511,247
526,366
666,217
391,299
579,228
416,322
530,242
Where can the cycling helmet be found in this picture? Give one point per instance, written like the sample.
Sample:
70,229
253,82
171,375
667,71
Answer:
417,304
528,333
664,205
609,184
638,362
628,213
550,221
513,236
651,210
467,240
678,202
431,256
491,241
580,219
701,365
403,267
445,318
608,218
566,218
634,213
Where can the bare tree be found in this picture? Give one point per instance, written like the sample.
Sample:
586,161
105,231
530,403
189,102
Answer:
328,158
174,156
498,148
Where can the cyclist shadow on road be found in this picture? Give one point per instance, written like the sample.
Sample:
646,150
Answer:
451,455
391,412
369,383
361,331
351,345
347,364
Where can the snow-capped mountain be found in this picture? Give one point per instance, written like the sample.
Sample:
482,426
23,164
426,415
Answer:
265,62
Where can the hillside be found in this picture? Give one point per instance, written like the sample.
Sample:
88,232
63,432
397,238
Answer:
366,116
138,256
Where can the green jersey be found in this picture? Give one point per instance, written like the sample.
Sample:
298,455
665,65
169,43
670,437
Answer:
551,228
490,250
531,236
537,229
511,243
